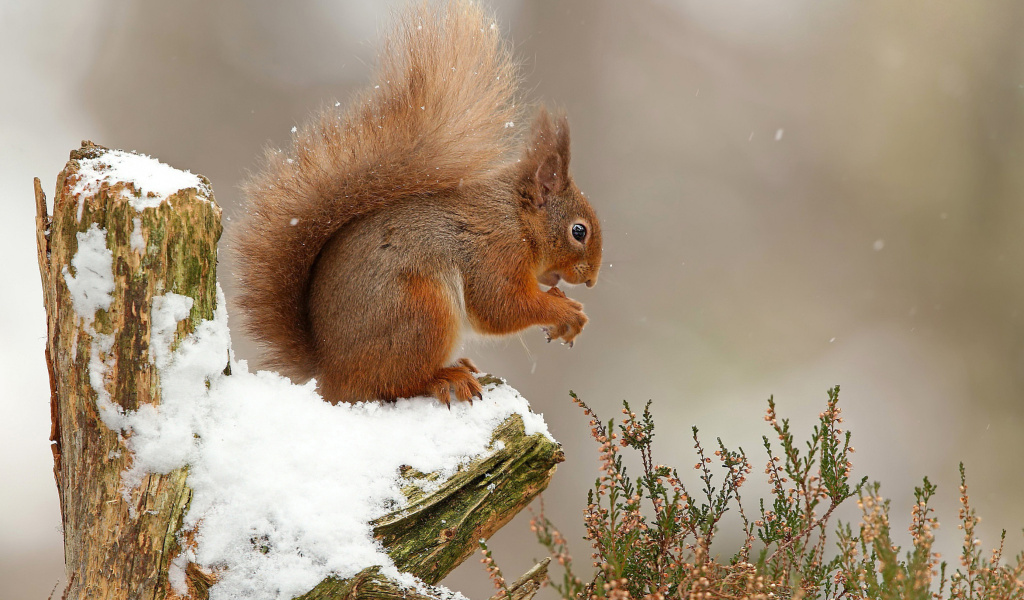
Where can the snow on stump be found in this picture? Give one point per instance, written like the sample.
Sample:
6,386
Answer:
182,474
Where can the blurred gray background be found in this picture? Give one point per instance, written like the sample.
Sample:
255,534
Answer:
794,194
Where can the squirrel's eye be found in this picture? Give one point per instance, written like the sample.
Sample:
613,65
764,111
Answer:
579,231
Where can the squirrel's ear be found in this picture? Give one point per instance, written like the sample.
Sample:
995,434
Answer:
546,165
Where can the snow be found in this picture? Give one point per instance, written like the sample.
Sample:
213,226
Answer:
136,241
100,363
93,282
273,466
152,180
167,311
91,289
176,575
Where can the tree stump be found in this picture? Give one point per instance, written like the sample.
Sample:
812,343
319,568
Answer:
117,545
120,541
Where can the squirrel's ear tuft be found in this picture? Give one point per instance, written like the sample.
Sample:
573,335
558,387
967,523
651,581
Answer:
546,164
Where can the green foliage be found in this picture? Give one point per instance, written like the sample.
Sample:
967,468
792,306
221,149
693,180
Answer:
652,538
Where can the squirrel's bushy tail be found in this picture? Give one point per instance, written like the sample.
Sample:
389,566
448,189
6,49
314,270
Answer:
440,112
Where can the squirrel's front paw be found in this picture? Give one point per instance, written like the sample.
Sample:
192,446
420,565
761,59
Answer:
569,325
557,293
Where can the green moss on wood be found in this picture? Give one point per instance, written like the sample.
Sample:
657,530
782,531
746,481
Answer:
114,547
437,531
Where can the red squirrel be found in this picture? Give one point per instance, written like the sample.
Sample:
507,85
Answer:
412,216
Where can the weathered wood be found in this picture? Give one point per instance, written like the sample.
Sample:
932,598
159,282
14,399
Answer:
371,585
43,255
438,531
119,542
529,584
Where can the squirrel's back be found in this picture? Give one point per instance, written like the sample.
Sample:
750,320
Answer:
439,113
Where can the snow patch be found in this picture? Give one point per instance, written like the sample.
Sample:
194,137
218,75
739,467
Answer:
91,288
284,484
152,179
136,241
93,282
176,575
100,363
167,311
411,582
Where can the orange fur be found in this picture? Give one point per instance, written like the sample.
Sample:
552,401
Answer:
392,223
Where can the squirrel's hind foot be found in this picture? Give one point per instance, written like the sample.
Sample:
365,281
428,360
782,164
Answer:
459,380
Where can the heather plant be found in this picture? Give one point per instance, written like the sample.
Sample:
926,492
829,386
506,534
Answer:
652,537
493,572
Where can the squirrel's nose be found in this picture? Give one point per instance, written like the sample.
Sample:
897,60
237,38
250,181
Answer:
591,282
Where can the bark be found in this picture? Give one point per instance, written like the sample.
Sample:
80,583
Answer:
437,532
371,585
119,542
529,583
